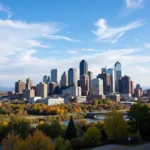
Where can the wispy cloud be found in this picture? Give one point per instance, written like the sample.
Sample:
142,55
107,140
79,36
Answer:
34,43
133,3
72,51
6,10
89,50
59,37
147,45
106,33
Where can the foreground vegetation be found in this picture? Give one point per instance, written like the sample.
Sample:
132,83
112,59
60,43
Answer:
17,133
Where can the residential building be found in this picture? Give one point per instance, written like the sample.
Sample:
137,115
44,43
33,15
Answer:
55,75
125,85
19,87
64,79
29,83
96,86
84,83
106,81
72,77
118,74
83,68
28,93
41,90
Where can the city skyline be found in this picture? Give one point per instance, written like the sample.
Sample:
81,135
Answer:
44,38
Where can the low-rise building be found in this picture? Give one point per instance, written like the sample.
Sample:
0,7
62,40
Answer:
80,99
32,100
113,97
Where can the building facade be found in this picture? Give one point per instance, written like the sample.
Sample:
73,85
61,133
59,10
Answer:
19,87
118,74
132,87
72,77
29,83
64,80
84,83
75,91
55,75
41,90
28,93
46,79
83,68
90,74
52,87
96,87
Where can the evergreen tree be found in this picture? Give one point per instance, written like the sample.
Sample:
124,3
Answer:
71,131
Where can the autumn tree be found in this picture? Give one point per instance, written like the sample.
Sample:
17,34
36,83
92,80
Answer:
115,126
95,101
10,142
92,136
71,131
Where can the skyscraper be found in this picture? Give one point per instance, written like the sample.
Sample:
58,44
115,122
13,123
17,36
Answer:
97,87
72,77
106,81
83,68
46,79
19,87
84,83
132,87
54,75
41,90
29,83
90,74
125,85
112,76
118,74
64,79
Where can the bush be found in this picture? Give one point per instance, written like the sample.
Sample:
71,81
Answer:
77,143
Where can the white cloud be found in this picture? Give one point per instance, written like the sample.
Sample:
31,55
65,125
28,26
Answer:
59,37
134,3
72,51
89,49
33,43
6,10
147,45
109,34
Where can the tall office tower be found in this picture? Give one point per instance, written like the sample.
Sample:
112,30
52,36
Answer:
46,79
112,76
41,90
118,74
132,87
64,79
138,87
83,68
97,87
72,77
53,88
84,83
75,91
29,83
28,93
106,81
90,74
54,75
19,87
125,85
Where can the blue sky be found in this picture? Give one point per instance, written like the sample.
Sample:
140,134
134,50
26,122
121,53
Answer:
36,36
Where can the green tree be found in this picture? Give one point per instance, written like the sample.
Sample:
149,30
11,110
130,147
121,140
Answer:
95,101
114,124
45,128
139,120
71,131
92,136
20,126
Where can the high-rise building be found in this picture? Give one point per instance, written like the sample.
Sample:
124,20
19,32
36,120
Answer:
29,83
53,86
41,90
137,92
84,83
106,81
72,77
28,93
55,75
90,74
46,79
148,93
64,79
19,87
118,75
132,87
125,85
75,91
112,76
96,87
83,68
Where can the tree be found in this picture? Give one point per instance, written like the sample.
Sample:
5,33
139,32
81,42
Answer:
39,141
71,131
95,101
10,142
92,136
115,126
139,120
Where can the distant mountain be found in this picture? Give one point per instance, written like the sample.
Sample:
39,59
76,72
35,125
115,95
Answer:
5,89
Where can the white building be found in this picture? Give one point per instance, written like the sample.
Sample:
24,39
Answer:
80,99
32,100
52,101
55,75
97,86
74,91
